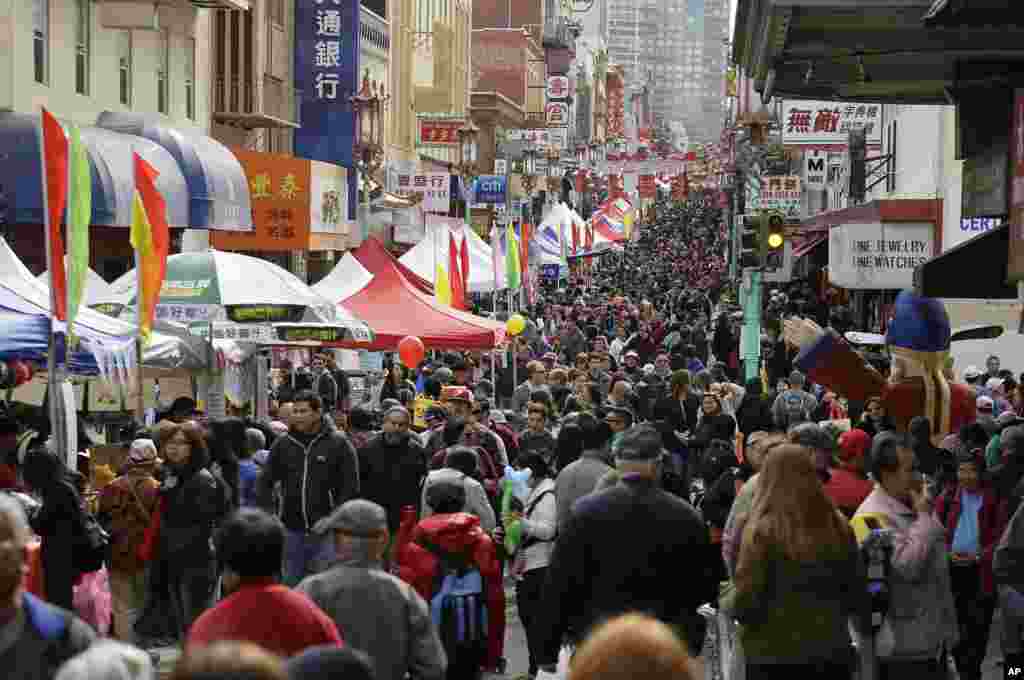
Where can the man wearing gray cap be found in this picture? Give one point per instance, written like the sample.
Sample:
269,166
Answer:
379,614
651,547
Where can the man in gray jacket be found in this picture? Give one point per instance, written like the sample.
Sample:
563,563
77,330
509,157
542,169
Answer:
377,613
579,478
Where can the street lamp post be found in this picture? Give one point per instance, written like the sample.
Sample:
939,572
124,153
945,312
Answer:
529,178
468,151
368,142
554,179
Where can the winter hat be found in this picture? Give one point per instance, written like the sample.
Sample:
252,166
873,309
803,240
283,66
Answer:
853,445
108,660
324,663
142,452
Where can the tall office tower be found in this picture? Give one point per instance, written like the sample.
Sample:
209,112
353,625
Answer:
678,47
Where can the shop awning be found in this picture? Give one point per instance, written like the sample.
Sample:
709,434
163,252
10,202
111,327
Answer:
218,190
114,183
975,269
809,243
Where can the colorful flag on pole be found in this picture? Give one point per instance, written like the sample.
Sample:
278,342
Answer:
563,244
575,237
454,276
442,289
525,236
151,240
512,268
497,258
464,260
55,188
79,217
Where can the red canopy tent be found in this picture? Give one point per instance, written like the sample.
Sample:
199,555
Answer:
394,307
372,255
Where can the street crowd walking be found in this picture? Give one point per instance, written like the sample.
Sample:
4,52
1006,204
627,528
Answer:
631,477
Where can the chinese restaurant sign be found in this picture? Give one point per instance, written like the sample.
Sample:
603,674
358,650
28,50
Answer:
435,187
327,74
778,193
439,132
279,187
827,124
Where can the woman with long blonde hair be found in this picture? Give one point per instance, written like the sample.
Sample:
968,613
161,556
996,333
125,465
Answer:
799,577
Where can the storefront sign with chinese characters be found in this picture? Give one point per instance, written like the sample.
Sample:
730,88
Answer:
279,186
186,313
435,132
557,114
558,87
828,124
240,332
616,107
779,193
647,186
541,137
878,256
435,187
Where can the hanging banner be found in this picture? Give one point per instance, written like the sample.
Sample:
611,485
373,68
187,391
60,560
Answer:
782,194
439,132
647,186
615,94
434,186
557,114
558,87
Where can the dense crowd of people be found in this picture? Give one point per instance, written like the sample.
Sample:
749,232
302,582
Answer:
619,479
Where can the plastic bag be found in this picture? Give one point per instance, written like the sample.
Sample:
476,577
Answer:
92,600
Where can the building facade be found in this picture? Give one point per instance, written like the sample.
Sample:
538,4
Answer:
680,46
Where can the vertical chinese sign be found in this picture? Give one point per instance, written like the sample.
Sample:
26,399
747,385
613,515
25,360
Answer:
327,74
279,187
1015,265
615,90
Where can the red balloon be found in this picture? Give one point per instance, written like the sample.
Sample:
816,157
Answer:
411,351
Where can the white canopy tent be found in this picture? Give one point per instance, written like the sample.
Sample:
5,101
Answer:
347,278
433,250
97,290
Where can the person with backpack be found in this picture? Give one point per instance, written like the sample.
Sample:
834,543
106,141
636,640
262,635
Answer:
453,564
376,612
911,627
794,405
538,525
38,637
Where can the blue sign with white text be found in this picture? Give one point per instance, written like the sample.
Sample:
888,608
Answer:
327,74
491,189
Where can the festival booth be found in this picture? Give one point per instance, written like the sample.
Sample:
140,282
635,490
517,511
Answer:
395,307
433,251
255,312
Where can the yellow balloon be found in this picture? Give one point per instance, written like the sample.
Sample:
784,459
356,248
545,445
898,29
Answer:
516,324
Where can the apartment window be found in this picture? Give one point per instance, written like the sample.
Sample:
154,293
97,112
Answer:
190,79
41,40
124,66
163,74
83,35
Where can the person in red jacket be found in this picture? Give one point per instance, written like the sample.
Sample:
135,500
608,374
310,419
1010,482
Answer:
250,544
974,517
456,533
848,486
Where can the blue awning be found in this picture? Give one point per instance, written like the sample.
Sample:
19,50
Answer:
218,190
114,184
110,160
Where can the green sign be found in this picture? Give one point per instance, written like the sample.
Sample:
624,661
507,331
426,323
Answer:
265,313
310,334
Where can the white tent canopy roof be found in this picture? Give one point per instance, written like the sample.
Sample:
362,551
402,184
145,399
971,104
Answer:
347,278
422,260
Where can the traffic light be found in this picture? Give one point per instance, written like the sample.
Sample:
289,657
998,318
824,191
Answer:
751,254
774,241
857,143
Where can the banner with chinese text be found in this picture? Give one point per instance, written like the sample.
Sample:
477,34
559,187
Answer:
439,132
435,187
827,125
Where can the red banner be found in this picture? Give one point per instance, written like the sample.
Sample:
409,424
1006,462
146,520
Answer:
615,92
439,132
615,185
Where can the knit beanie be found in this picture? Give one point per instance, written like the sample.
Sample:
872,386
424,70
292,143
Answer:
108,660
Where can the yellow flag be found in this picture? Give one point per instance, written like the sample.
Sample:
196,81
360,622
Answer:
442,290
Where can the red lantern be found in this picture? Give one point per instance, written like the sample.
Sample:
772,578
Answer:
411,351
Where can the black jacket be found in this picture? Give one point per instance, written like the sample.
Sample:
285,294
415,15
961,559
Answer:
314,479
680,417
632,547
191,509
755,414
391,475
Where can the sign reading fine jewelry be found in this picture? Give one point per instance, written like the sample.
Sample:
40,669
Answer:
327,74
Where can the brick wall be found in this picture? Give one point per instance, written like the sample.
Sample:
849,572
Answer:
499,63
495,13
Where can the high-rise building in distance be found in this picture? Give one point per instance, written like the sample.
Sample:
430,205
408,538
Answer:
678,47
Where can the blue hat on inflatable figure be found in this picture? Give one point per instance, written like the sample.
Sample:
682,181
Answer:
918,324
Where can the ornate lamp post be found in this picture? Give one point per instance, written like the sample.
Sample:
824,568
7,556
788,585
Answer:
529,170
554,179
368,142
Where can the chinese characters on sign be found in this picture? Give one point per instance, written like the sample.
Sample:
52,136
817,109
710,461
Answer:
557,114
616,108
778,193
540,137
185,313
439,132
223,330
558,87
647,186
810,123
327,50
435,187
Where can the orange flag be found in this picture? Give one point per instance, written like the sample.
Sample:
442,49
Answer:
55,177
151,239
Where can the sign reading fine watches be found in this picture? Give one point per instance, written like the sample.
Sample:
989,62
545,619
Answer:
325,66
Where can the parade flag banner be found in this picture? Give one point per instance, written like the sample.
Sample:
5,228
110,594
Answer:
79,217
512,258
55,188
497,258
525,236
150,237
442,290
464,258
458,294
575,237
